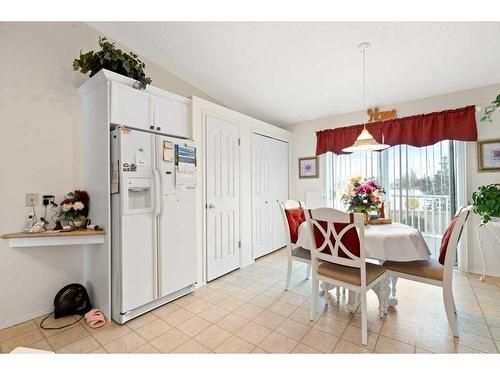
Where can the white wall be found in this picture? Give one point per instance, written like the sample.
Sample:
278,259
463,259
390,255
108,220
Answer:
40,148
305,145
248,125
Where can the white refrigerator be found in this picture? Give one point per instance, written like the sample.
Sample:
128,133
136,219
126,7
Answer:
153,194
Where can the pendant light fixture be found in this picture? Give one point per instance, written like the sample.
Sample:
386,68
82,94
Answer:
365,141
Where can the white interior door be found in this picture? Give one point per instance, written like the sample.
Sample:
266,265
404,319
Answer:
262,193
223,197
280,190
270,186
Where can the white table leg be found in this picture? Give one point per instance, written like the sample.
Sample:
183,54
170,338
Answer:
392,300
382,290
352,302
325,287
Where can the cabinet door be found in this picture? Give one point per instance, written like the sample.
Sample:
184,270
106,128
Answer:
131,107
172,117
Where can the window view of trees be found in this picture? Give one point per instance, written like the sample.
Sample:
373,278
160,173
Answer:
438,184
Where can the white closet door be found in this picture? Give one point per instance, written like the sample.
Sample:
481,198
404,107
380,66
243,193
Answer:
270,186
223,197
280,190
262,187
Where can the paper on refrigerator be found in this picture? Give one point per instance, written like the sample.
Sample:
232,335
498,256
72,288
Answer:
185,158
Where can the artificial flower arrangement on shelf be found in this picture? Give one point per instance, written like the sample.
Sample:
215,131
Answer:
75,208
364,195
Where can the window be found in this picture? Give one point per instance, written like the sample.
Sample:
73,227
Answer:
422,184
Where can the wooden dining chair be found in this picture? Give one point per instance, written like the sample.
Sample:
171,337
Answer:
293,215
339,258
437,272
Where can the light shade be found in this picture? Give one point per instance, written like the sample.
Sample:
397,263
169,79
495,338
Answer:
365,142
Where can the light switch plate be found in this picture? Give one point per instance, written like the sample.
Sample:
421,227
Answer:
33,199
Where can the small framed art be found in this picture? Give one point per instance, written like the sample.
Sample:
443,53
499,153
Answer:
308,167
488,155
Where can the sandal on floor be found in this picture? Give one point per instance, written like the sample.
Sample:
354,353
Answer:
95,318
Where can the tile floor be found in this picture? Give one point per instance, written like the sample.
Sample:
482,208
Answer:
248,311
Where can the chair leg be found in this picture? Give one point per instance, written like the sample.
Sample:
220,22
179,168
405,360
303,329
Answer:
315,296
288,273
449,307
337,293
364,319
308,274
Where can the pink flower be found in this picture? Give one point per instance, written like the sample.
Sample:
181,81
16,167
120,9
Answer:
368,188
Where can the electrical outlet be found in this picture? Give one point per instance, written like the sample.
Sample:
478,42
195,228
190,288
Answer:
33,199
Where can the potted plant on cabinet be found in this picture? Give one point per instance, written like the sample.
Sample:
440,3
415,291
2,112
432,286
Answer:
115,60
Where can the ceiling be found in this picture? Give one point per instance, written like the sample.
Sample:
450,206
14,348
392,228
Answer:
285,73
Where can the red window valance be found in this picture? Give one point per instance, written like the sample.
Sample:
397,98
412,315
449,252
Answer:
419,130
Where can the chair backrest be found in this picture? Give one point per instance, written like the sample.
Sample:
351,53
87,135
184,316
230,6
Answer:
289,205
329,228
452,236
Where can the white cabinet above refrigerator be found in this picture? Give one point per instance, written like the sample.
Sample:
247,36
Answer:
172,117
131,107
151,109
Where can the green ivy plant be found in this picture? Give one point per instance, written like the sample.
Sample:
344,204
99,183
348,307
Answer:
486,202
488,111
114,59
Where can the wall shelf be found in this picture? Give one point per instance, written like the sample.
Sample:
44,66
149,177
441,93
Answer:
54,238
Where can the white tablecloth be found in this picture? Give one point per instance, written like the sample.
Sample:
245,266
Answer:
394,241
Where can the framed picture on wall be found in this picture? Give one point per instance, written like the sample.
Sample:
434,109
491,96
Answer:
488,155
308,167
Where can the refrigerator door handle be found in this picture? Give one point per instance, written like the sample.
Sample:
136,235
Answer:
158,202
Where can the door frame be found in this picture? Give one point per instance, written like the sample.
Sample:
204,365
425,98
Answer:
235,121
252,177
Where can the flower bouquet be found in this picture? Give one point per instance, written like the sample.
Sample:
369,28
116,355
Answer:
364,195
75,208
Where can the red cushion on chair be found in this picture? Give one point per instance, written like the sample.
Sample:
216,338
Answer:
446,239
350,239
294,217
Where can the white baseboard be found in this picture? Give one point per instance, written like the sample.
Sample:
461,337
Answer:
25,318
479,271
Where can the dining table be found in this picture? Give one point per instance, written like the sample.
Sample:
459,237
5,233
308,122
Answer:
394,241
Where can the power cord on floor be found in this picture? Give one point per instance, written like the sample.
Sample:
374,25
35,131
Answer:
55,328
